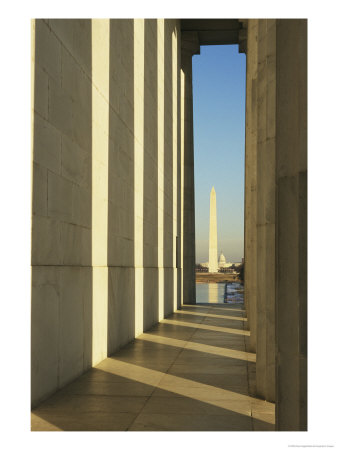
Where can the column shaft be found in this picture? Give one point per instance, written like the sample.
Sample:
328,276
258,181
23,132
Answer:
189,287
250,233
291,244
266,209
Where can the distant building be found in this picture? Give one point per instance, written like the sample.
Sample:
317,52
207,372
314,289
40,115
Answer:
222,261
223,265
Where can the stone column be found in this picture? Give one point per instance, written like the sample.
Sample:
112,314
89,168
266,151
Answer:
260,208
275,214
266,209
189,47
250,233
291,238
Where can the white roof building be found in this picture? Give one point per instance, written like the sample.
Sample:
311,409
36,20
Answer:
222,260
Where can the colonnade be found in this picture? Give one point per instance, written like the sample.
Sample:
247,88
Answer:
113,226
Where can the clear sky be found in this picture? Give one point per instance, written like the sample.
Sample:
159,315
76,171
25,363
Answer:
219,141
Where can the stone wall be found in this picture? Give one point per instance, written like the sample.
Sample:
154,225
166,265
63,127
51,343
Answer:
107,189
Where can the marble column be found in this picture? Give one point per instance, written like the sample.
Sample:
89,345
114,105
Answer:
213,262
266,209
291,238
260,207
189,47
250,232
275,214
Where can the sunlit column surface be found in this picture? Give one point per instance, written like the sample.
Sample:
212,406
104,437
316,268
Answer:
182,181
160,159
174,102
100,133
138,168
32,89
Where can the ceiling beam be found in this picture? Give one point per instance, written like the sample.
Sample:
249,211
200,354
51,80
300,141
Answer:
213,31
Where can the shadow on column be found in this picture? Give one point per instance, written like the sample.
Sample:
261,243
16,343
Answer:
150,179
121,274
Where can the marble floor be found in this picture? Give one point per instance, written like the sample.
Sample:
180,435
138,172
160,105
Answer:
190,372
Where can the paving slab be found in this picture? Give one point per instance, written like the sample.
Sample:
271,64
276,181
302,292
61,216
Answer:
185,374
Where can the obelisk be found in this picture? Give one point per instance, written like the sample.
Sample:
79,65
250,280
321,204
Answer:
213,261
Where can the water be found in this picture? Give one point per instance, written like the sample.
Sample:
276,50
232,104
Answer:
219,293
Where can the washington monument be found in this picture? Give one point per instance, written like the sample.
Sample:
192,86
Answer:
213,261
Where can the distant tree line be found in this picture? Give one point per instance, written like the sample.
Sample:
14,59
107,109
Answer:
240,271
200,268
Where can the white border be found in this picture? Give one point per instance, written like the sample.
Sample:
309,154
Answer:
15,222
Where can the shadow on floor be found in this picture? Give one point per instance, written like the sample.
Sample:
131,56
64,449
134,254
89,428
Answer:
172,378
101,401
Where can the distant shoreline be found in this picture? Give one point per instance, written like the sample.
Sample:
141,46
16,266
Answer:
205,277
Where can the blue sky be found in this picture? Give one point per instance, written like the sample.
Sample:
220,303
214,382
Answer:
219,141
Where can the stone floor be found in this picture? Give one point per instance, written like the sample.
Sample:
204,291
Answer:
190,372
